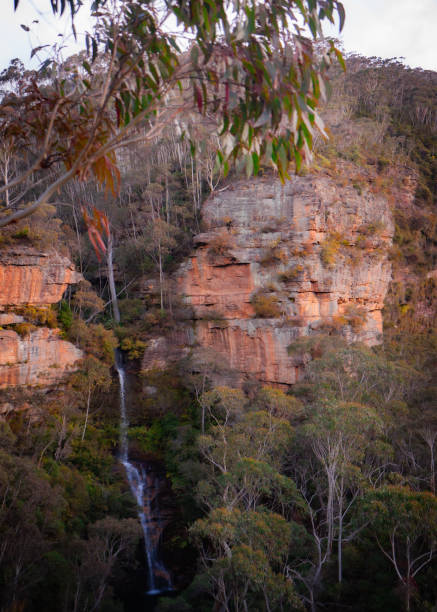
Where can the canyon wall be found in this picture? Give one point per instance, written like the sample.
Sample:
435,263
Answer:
32,277
277,262
31,355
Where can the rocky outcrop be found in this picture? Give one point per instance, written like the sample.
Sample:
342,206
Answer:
41,358
277,262
31,277
34,356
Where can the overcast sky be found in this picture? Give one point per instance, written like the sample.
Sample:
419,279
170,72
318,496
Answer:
384,28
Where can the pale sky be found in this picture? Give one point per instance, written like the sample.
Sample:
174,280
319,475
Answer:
384,28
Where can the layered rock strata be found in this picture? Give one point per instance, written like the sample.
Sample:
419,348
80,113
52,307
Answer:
33,356
31,277
277,262
40,358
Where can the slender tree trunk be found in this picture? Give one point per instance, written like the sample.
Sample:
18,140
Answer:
79,246
432,468
112,290
161,277
312,602
6,180
88,402
340,532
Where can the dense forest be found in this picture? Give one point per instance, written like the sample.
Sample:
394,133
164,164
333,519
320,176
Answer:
317,496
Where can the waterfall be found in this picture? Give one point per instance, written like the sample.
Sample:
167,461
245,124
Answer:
145,486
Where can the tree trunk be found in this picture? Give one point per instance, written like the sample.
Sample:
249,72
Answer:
407,595
112,290
161,277
88,402
340,530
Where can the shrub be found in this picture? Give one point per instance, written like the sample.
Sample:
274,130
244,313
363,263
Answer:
94,339
265,306
24,329
382,163
373,228
274,254
291,274
131,310
133,347
22,233
40,316
85,300
221,243
353,315
330,247
65,315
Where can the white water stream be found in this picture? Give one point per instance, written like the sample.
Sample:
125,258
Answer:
145,488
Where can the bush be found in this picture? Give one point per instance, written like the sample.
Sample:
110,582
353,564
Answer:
274,254
40,316
265,306
133,347
330,247
24,329
65,315
22,233
353,315
382,163
374,228
94,339
291,274
221,243
131,310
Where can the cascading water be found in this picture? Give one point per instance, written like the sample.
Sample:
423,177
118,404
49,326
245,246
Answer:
145,487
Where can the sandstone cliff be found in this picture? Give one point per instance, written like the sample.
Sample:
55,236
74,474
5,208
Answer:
34,356
280,261
32,277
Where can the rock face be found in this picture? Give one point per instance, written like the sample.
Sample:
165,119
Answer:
277,262
30,277
41,358
33,278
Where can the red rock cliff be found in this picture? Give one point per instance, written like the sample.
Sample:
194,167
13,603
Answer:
281,261
32,278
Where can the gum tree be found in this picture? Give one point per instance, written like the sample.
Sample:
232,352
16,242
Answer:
404,525
245,69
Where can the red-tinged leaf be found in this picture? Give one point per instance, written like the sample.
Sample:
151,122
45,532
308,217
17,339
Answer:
340,58
96,238
93,242
105,224
198,96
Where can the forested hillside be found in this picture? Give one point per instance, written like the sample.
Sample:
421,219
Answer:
281,491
